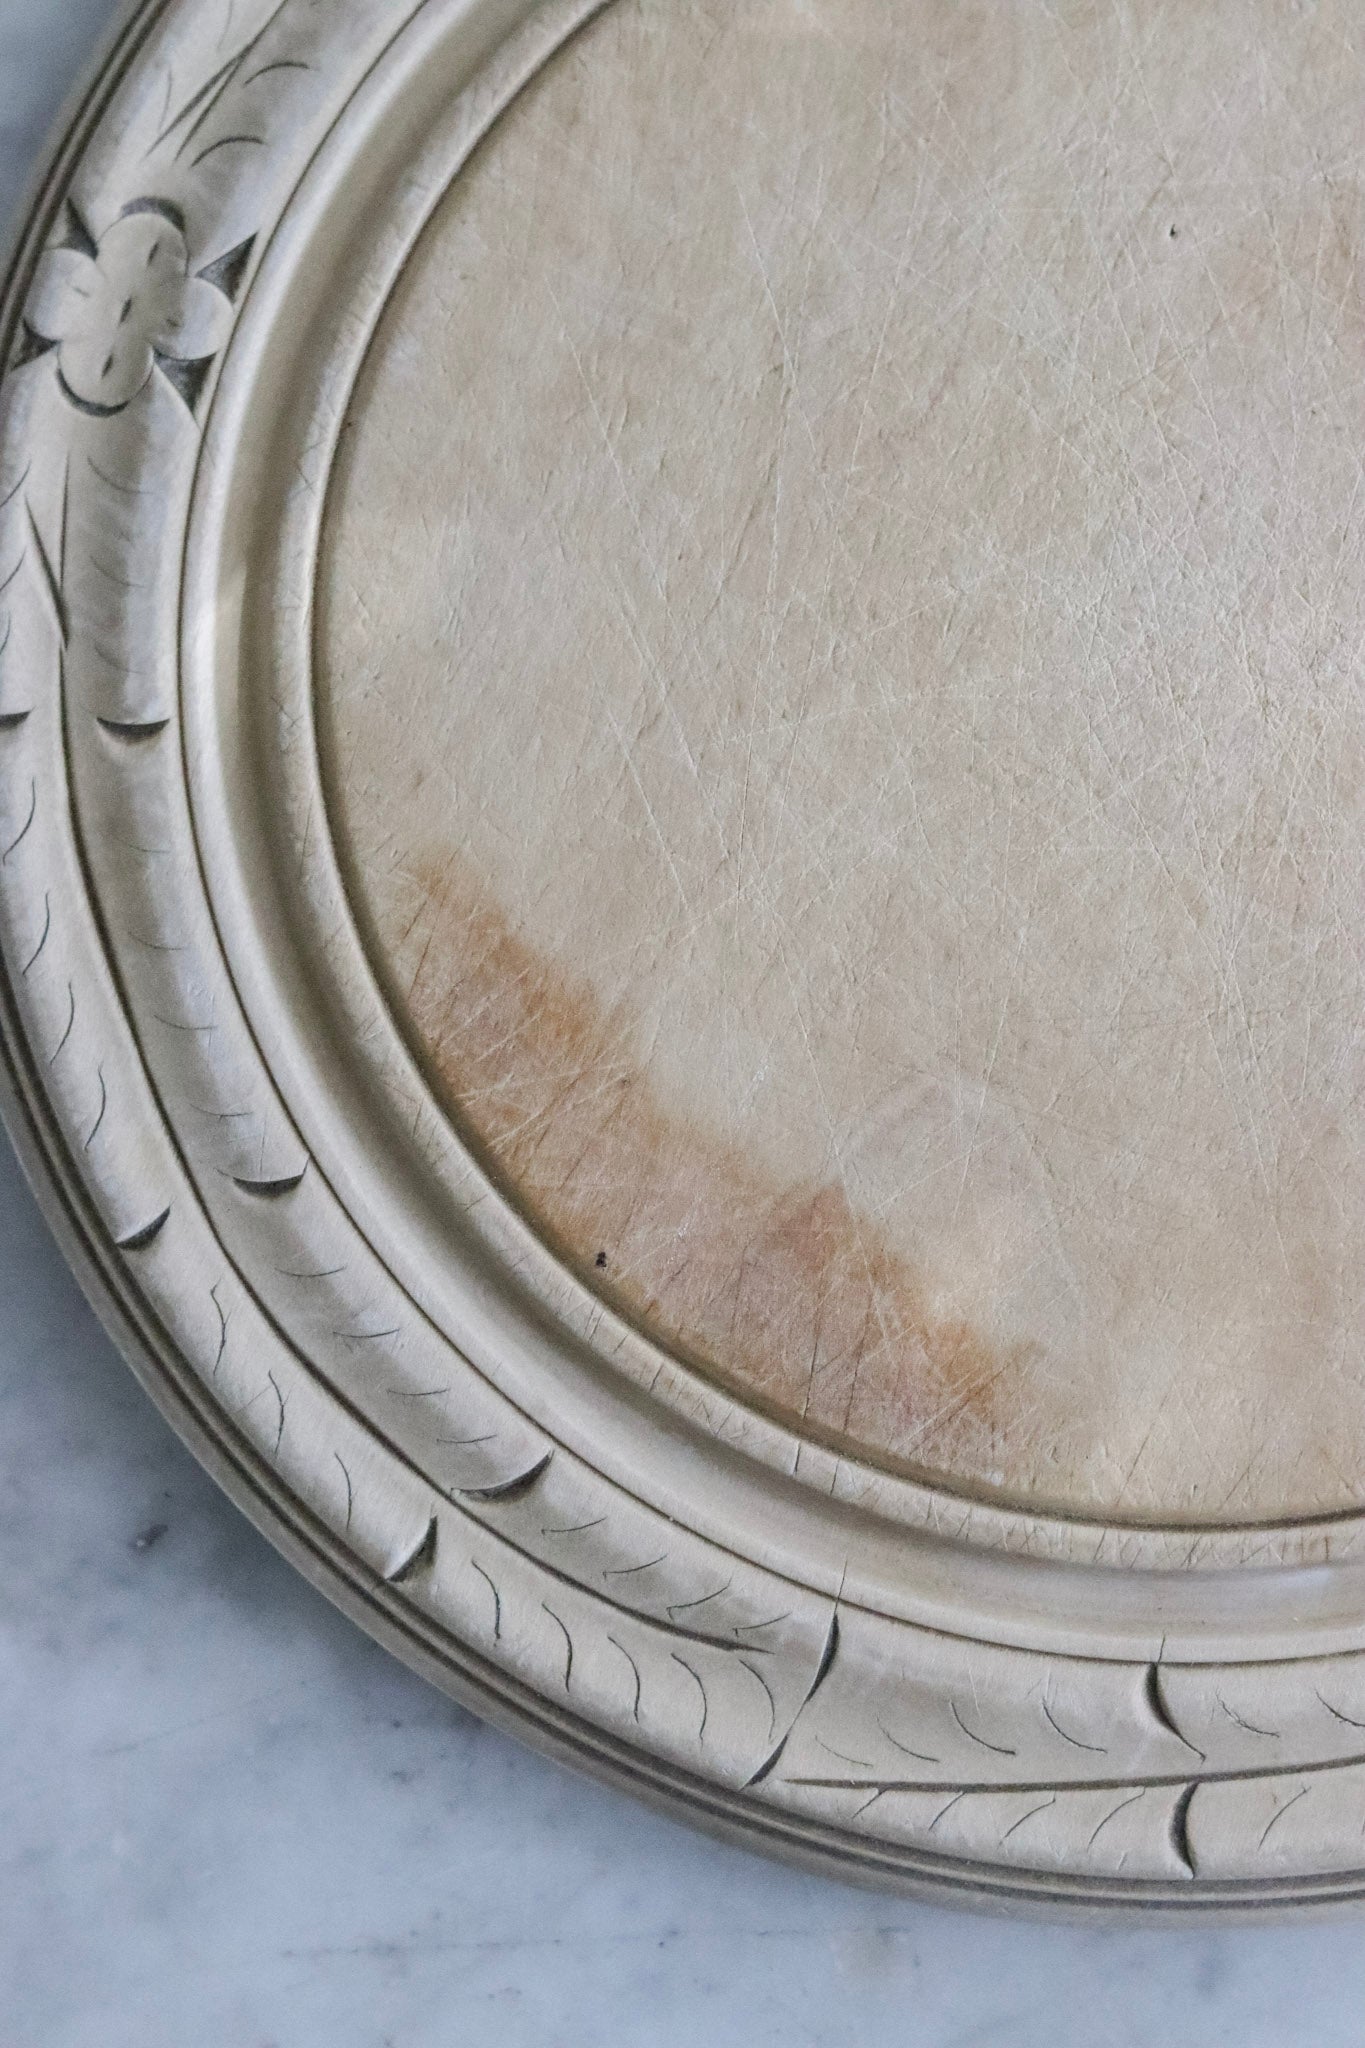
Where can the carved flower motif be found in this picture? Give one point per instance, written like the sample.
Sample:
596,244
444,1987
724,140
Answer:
117,309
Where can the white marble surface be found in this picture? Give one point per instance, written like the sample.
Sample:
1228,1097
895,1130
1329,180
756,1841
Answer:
227,1819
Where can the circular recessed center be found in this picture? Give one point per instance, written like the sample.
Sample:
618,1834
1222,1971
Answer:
840,671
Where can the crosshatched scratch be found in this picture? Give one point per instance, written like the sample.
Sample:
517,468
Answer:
852,756
856,800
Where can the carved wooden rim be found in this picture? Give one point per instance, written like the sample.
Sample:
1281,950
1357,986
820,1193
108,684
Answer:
203,1076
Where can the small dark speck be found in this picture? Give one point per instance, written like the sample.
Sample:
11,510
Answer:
153,1533
1174,231
601,1261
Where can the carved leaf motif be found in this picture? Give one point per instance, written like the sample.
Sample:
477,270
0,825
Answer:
452,1506
1147,1770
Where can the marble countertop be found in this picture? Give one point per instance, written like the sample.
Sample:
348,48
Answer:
227,1818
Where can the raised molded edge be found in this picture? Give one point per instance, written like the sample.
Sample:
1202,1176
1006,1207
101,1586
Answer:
779,1704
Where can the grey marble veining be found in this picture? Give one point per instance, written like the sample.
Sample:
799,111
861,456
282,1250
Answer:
228,1819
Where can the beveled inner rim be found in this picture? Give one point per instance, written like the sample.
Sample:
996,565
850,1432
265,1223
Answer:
847,808
297,967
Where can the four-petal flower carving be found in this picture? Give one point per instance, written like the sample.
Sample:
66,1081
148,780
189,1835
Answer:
118,309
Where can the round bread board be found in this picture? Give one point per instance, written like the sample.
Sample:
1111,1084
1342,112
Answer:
682,834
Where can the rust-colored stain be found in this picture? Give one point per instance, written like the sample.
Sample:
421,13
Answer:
783,1293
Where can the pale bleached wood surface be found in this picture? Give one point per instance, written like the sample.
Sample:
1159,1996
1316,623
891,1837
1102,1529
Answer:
840,656
434,1414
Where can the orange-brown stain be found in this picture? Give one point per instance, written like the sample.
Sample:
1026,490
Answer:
783,1293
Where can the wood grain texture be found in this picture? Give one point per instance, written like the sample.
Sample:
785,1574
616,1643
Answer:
433,1404
840,662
